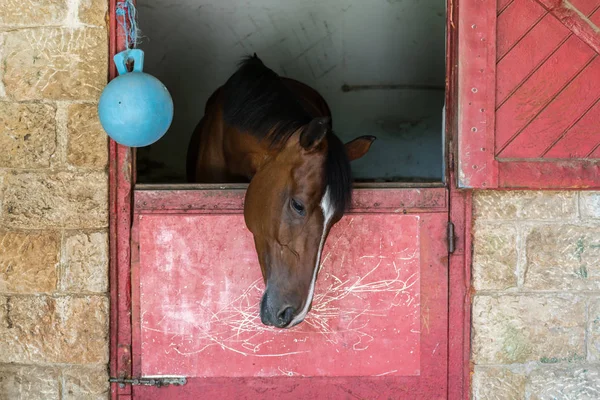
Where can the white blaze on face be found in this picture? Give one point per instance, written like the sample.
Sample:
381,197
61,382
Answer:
328,211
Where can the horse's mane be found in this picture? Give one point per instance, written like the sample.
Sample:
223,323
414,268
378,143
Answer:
257,101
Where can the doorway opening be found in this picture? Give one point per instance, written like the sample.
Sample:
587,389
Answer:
379,65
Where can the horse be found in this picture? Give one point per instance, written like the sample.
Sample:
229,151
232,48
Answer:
275,133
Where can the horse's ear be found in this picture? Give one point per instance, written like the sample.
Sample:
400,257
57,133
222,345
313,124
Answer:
359,147
314,133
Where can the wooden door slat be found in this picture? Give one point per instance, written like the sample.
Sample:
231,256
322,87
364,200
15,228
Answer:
575,20
503,4
561,113
531,98
595,153
514,23
581,139
528,55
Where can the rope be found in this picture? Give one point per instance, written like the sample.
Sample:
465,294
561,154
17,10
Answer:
127,19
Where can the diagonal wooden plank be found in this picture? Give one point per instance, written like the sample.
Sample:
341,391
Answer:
502,4
537,92
533,50
514,23
595,153
575,20
528,55
581,139
562,112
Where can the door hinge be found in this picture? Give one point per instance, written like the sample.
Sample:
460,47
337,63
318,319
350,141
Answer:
451,237
158,382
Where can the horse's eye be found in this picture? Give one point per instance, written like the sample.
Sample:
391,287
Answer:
298,207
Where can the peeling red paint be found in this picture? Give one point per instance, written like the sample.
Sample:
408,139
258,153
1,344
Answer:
200,289
196,310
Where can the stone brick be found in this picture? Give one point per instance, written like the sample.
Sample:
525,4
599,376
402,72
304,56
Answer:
516,329
519,205
594,330
2,176
28,13
85,263
88,143
28,261
581,383
563,257
28,383
589,204
63,199
53,330
498,384
93,12
55,63
494,256
85,383
27,135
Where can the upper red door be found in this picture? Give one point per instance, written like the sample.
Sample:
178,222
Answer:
529,94
377,328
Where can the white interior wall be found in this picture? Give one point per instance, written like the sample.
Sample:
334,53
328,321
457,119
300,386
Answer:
193,47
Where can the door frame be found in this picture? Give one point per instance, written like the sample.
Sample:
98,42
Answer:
122,178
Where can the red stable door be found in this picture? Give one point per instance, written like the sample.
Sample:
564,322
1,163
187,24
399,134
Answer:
377,328
390,316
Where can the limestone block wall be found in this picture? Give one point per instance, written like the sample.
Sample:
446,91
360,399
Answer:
53,200
536,308
536,265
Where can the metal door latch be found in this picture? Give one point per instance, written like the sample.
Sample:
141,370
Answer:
158,382
451,237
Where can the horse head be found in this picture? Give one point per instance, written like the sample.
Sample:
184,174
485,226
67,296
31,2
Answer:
276,132
296,196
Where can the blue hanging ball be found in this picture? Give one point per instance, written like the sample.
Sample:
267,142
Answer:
135,108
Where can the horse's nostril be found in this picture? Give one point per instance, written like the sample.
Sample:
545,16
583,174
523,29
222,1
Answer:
285,316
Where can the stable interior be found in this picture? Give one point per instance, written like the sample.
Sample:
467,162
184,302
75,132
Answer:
380,65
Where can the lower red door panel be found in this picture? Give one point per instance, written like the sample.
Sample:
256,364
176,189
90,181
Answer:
377,328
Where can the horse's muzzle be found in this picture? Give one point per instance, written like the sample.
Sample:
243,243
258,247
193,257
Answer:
273,313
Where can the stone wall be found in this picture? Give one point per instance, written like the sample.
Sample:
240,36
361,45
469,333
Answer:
54,200
536,266
536,308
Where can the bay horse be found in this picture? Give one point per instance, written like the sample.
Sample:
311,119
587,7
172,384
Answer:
275,133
